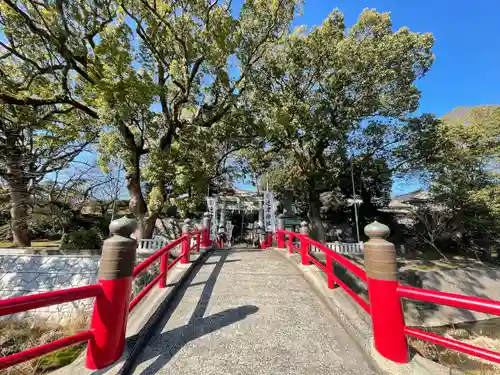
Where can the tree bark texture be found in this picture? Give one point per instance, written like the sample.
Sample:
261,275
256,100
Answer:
317,230
19,199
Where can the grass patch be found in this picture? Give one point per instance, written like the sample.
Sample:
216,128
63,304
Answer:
17,336
35,244
425,267
453,359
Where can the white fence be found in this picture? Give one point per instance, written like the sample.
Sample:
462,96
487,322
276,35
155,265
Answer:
343,247
347,248
149,246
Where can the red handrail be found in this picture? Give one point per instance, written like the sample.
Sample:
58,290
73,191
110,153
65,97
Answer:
38,351
34,301
334,256
455,300
483,305
356,270
138,298
146,263
29,302
163,253
454,344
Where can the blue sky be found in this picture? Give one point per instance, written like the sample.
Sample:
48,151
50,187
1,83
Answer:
467,48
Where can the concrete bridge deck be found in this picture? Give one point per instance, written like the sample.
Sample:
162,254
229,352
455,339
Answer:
249,311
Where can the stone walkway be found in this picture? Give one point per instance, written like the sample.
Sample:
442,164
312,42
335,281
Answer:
250,312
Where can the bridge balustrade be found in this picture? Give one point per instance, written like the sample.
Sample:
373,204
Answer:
385,292
113,293
114,302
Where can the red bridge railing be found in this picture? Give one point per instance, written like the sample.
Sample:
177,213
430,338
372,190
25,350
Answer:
25,303
112,293
328,268
385,294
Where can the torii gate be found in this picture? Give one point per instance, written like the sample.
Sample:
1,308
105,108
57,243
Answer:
243,201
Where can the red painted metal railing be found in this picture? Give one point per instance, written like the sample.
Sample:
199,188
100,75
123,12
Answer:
483,305
383,298
105,291
328,268
146,263
161,278
453,344
25,303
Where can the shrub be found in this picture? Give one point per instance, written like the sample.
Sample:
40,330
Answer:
82,239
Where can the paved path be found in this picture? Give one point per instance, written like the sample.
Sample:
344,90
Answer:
251,312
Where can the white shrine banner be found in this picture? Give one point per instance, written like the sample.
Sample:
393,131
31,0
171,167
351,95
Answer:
229,230
269,218
212,209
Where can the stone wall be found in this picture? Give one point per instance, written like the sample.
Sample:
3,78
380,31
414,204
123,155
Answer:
22,274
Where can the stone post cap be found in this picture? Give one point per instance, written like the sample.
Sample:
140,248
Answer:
377,230
118,251
304,227
123,226
281,221
187,226
207,214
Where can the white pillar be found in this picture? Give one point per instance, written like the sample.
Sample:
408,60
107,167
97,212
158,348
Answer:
223,213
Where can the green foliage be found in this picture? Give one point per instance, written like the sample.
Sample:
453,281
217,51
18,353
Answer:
466,176
60,358
166,83
326,91
83,239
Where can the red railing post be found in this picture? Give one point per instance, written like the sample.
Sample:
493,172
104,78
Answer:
290,244
269,239
186,242
163,270
329,275
220,234
205,234
260,234
304,243
280,232
109,317
198,240
386,309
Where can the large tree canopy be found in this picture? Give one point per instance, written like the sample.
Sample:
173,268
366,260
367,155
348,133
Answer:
326,88
466,178
157,75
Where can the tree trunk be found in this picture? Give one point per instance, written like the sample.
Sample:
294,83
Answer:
317,230
137,203
149,226
19,196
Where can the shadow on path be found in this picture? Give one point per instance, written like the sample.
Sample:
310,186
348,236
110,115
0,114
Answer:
167,344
